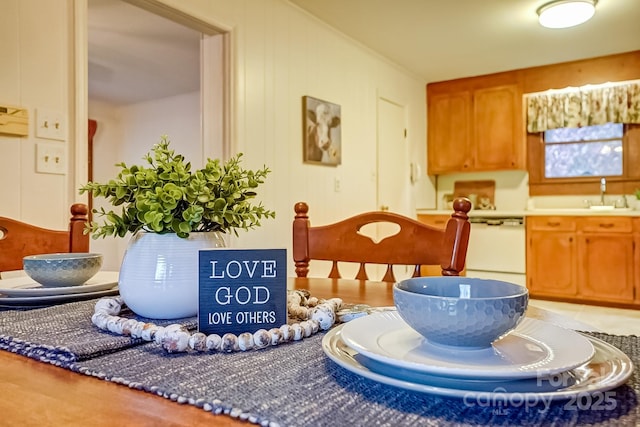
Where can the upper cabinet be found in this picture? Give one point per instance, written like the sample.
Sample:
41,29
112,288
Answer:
499,138
478,123
475,124
449,138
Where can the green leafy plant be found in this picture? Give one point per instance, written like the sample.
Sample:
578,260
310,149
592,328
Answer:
637,193
166,197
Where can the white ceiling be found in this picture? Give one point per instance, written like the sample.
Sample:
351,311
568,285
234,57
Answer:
447,39
135,55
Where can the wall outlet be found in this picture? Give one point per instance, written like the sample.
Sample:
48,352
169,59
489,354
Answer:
51,158
51,125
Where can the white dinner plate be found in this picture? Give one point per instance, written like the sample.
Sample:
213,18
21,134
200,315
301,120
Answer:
32,302
25,286
534,349
608,369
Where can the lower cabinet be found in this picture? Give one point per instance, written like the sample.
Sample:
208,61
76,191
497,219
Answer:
583,258
636,258
552,258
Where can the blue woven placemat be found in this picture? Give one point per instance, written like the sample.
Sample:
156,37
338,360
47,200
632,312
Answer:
297,385
64,334
293,384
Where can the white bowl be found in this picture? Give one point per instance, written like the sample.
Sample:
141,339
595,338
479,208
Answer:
460,311
62,269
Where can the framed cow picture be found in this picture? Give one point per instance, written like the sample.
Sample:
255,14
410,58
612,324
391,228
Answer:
322,132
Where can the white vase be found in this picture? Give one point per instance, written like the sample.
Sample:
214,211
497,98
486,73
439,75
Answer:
159,273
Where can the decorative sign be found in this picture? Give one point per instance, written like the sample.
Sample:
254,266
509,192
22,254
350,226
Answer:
242,290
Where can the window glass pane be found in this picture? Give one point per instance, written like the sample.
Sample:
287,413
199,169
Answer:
587,133
583,159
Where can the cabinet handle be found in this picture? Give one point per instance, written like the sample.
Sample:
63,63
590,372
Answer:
553,224
609,225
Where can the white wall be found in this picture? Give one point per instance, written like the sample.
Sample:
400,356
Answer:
106,153
512,187
279,54
127,133
34,54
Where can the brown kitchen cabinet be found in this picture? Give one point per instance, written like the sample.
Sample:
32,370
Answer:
606,253
480,128
449,133
435,220
551,256
590,258
636,258
499,138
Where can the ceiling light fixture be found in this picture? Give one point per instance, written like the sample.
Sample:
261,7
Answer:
566,13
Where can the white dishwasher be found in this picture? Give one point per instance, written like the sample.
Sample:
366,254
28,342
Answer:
497,249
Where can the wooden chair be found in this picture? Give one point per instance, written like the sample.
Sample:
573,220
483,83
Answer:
416,244
19,239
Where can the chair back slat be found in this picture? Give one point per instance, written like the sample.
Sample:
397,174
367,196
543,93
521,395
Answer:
415,244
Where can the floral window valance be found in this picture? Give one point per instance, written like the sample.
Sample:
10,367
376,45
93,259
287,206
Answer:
584,106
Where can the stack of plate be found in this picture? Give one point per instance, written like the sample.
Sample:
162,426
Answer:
23,291
538,361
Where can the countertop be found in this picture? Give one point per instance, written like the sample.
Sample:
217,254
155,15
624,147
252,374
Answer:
535,212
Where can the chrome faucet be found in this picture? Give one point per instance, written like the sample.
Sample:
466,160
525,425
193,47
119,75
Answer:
603,189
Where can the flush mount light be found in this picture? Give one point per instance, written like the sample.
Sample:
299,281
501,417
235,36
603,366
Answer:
566,13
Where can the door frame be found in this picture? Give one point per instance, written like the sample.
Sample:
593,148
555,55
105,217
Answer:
217,121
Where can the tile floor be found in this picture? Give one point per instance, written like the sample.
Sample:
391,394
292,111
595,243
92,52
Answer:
614,321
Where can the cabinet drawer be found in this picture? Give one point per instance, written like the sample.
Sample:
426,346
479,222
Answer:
551,223
439,221
602,224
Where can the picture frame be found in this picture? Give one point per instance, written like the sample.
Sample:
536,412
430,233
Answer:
322,128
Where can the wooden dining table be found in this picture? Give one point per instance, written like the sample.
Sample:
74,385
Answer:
39,394
33,393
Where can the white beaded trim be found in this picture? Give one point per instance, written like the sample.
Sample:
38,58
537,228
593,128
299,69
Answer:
314,314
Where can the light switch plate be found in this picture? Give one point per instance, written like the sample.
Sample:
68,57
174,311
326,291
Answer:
51,158
51,124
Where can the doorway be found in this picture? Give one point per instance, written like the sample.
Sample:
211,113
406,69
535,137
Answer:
166,74
139,53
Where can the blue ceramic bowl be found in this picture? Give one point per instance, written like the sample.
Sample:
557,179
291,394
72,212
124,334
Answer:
63,269
460,311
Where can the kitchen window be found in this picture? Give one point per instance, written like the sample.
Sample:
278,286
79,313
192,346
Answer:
576,136
586,151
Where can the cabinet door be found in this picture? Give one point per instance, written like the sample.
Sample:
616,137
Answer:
439,221
449,133
636,257
499,140
551,263
606,267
